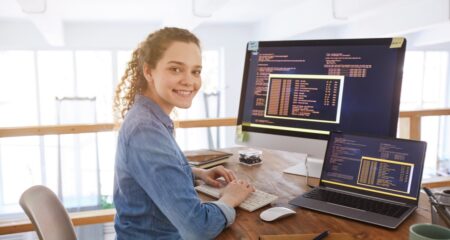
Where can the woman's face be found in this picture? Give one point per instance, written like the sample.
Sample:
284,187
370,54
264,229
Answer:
176,78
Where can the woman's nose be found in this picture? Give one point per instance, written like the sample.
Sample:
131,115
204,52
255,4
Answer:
189,79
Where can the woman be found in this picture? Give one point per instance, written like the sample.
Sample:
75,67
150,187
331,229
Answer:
153,185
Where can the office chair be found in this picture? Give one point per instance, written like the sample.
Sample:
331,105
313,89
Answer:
48,215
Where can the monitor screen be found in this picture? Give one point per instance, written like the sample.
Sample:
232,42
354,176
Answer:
380,167
306,89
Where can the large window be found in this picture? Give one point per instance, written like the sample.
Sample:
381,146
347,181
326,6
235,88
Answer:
70,87
425,86
18,93
31,81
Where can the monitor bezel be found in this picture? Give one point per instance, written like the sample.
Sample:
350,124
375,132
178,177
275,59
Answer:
328,42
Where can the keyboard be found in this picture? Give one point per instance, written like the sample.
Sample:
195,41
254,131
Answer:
256,200
347,200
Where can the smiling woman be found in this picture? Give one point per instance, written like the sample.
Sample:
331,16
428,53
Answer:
153,188
176,78
147,58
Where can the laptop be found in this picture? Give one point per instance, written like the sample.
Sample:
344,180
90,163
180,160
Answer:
369,179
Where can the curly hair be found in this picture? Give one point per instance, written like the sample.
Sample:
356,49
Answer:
150,52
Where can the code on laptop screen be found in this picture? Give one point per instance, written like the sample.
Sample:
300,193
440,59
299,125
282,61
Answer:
376,166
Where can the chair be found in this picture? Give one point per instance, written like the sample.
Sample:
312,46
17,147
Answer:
48,215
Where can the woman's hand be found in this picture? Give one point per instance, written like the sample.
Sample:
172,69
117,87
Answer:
236,192
210,176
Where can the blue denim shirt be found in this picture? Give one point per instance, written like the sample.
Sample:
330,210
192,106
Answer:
154,192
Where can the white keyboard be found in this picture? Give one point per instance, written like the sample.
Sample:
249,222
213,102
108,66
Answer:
257,199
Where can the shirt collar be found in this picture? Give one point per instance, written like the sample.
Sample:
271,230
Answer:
155,109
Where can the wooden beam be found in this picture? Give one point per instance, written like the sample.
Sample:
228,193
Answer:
78,219
103,127
436,182
415,118
218,122
423,113
56,129
93,217
414,127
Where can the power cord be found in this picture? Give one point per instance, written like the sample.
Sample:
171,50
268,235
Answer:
307,174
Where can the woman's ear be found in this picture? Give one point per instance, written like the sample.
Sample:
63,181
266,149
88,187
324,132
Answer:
147,72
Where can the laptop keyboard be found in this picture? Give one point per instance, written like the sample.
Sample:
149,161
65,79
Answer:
357,202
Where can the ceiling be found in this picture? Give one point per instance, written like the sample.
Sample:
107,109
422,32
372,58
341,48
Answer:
223,11
427,22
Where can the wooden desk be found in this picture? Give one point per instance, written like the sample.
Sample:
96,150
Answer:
269,177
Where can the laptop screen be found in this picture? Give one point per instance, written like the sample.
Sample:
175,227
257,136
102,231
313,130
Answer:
380,167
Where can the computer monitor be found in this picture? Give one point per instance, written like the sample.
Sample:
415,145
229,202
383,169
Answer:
294,93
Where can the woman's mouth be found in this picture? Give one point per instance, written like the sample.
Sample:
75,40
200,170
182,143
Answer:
183,93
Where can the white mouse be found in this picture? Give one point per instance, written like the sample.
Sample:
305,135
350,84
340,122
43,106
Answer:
275,213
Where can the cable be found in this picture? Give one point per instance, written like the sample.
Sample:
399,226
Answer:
307,173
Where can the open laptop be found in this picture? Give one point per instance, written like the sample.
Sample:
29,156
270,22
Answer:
369,179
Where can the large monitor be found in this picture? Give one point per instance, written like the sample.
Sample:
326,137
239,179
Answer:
294,93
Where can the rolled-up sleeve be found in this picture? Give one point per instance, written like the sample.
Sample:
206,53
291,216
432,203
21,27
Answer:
165,176
228,212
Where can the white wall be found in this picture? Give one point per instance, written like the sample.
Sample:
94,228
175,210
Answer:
84,35
20,35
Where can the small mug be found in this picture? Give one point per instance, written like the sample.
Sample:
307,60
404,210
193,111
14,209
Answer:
426,231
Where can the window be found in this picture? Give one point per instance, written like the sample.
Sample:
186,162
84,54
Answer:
18,89
28,98
56,78
425,87
35,80
18,106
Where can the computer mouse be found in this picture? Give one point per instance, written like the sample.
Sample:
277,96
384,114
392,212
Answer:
275,213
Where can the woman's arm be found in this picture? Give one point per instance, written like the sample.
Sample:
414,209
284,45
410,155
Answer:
160,171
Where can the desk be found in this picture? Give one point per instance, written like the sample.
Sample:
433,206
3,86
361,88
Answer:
269,177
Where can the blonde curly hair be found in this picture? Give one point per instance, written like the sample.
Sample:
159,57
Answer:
150,52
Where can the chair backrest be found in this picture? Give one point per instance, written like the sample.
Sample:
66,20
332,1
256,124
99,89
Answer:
48,215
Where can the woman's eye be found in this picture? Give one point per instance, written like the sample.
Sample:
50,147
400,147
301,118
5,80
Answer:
197,73
175,69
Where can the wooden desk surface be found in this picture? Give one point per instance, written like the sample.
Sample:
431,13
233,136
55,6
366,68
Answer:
269,177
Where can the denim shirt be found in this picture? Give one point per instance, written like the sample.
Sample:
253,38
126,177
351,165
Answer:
154,190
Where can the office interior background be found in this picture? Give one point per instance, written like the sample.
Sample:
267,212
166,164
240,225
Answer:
60,61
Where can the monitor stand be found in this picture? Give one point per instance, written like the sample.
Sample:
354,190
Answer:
314,167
